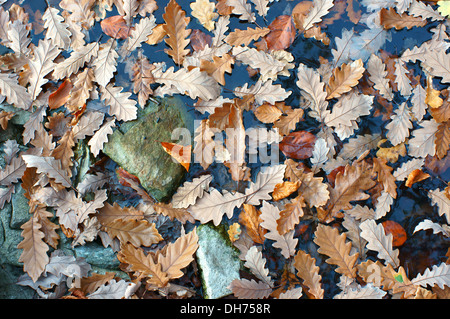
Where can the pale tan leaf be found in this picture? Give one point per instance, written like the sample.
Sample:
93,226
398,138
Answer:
243,9
266,180
245,37
255,261
194,83
309,81
287,243
379,241
142,78
49,166
34,254
213,205
402,79
250,289
189,192
439,199
120,105
12,172
423,141
347,111
320,8
101,136
264,92
19,40
309,272
15,94
33,124
378,75
75,61
398,127
269,67
57,29
335,246
140,34
438,275
87,125
40,66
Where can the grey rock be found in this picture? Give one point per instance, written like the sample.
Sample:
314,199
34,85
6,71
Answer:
135,147
218,260
9,254
20,208
8,288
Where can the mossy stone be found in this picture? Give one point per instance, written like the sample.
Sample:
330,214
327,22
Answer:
136,146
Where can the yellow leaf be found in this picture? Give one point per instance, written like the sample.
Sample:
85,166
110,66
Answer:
203,10
234,232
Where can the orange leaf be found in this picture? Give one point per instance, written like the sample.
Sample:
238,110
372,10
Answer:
298,145
398,232
115,27
250,218
61,95
181,154
282,33
284,189
125,177
416,176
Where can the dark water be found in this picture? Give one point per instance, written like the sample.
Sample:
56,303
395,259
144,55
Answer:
422,249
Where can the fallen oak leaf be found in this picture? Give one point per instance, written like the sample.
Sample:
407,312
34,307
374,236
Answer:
175,27
115,27
218,67
298,145
344,78
416,176
391,19
282,33
398,232
61,95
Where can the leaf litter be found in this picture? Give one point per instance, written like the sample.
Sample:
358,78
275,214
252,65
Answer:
319,223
